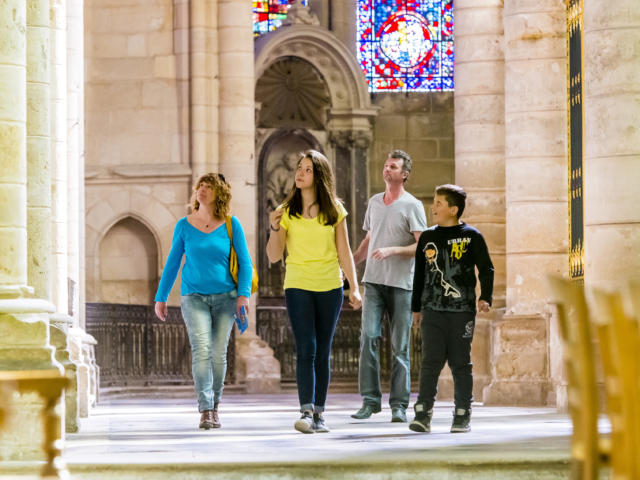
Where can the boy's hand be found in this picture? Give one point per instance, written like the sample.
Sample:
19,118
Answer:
483,306
416,317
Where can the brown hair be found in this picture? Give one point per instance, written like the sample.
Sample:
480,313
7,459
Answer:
406,161
222,191
454,195
324,185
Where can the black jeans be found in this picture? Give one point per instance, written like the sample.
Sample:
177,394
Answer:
446,337
313,317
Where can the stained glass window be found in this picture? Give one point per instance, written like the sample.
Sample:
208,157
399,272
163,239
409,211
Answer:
406,45
269,14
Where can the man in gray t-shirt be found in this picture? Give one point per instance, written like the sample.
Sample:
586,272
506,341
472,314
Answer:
394,221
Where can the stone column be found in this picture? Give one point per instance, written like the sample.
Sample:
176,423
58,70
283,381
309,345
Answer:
479,150
24,336
38,148
236,111
75,158
204,85
612,142
536,197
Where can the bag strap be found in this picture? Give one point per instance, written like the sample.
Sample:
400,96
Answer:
229,230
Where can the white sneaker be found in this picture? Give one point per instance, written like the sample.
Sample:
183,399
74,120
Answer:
305,423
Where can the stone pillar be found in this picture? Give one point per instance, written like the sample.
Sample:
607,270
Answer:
38,149
205,84
59,331
479,151
236,113
536,197
612,142
75,159
24,335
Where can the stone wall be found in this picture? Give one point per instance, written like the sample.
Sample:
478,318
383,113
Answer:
422,125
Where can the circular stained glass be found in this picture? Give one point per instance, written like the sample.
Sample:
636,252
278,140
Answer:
405,40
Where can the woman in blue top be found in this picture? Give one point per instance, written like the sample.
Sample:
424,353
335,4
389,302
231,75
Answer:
209,296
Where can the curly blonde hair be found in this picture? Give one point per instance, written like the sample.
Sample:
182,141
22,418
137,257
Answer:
222,189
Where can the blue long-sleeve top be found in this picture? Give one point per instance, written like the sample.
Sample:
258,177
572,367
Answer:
206,266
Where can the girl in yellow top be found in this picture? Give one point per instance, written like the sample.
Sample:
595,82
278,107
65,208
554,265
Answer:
310,222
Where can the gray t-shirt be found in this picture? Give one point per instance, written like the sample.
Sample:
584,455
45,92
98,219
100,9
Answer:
391,226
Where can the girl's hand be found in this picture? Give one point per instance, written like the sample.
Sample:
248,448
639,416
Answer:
355,300
242,302
274,219
161,310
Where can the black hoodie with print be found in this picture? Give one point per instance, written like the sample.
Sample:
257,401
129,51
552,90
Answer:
445,277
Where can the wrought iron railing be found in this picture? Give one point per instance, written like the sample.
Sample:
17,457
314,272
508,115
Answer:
135,348
273,327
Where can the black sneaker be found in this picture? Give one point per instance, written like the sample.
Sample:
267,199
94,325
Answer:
305,423
461,420
318,424
422,421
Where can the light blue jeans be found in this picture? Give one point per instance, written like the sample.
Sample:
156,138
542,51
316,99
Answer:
209,320
397,302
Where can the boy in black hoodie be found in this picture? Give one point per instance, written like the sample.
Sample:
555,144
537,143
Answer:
444,298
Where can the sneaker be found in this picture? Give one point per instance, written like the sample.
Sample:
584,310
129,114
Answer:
461,420
366,411
398,415
305,423
422,421
318,424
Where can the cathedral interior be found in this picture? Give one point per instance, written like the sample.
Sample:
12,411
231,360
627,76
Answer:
110,110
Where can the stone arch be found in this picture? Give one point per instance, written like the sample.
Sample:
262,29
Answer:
127,263
110,210
319,47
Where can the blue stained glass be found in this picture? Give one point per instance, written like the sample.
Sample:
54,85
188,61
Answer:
268,15
406,45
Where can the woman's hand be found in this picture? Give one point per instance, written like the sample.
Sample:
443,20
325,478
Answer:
242,302
274,219
355,300
161,310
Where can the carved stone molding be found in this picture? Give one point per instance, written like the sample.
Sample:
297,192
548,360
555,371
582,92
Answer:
341,138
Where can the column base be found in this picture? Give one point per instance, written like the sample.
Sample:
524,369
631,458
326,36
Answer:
256,365
59,331
517,393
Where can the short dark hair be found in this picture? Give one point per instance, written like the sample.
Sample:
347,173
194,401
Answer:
454,195
406,160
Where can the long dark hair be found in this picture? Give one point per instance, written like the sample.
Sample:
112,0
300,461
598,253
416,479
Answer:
325,187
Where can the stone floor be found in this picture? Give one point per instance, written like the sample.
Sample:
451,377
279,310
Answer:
135,438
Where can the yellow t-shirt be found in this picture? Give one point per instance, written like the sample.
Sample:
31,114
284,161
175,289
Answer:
312,258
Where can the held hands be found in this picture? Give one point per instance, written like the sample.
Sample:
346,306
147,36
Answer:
274,219
162,311
416,317
355,300
483,306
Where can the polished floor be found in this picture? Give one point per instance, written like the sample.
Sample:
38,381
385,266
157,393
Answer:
157,437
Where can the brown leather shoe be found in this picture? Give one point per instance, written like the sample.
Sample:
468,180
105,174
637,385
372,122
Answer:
207,420
216,420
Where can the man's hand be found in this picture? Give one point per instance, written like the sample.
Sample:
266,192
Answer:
162,311
483,306
382,253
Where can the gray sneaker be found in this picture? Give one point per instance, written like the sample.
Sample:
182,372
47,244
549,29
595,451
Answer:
398,415
422,421
318,424
305,423
461,420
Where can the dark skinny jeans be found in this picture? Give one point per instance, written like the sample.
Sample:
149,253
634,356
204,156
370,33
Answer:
313,317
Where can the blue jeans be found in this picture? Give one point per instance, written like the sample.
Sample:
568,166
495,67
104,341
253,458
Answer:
209,320
313,317
397,302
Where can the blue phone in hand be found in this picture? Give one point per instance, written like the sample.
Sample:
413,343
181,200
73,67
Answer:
242,322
